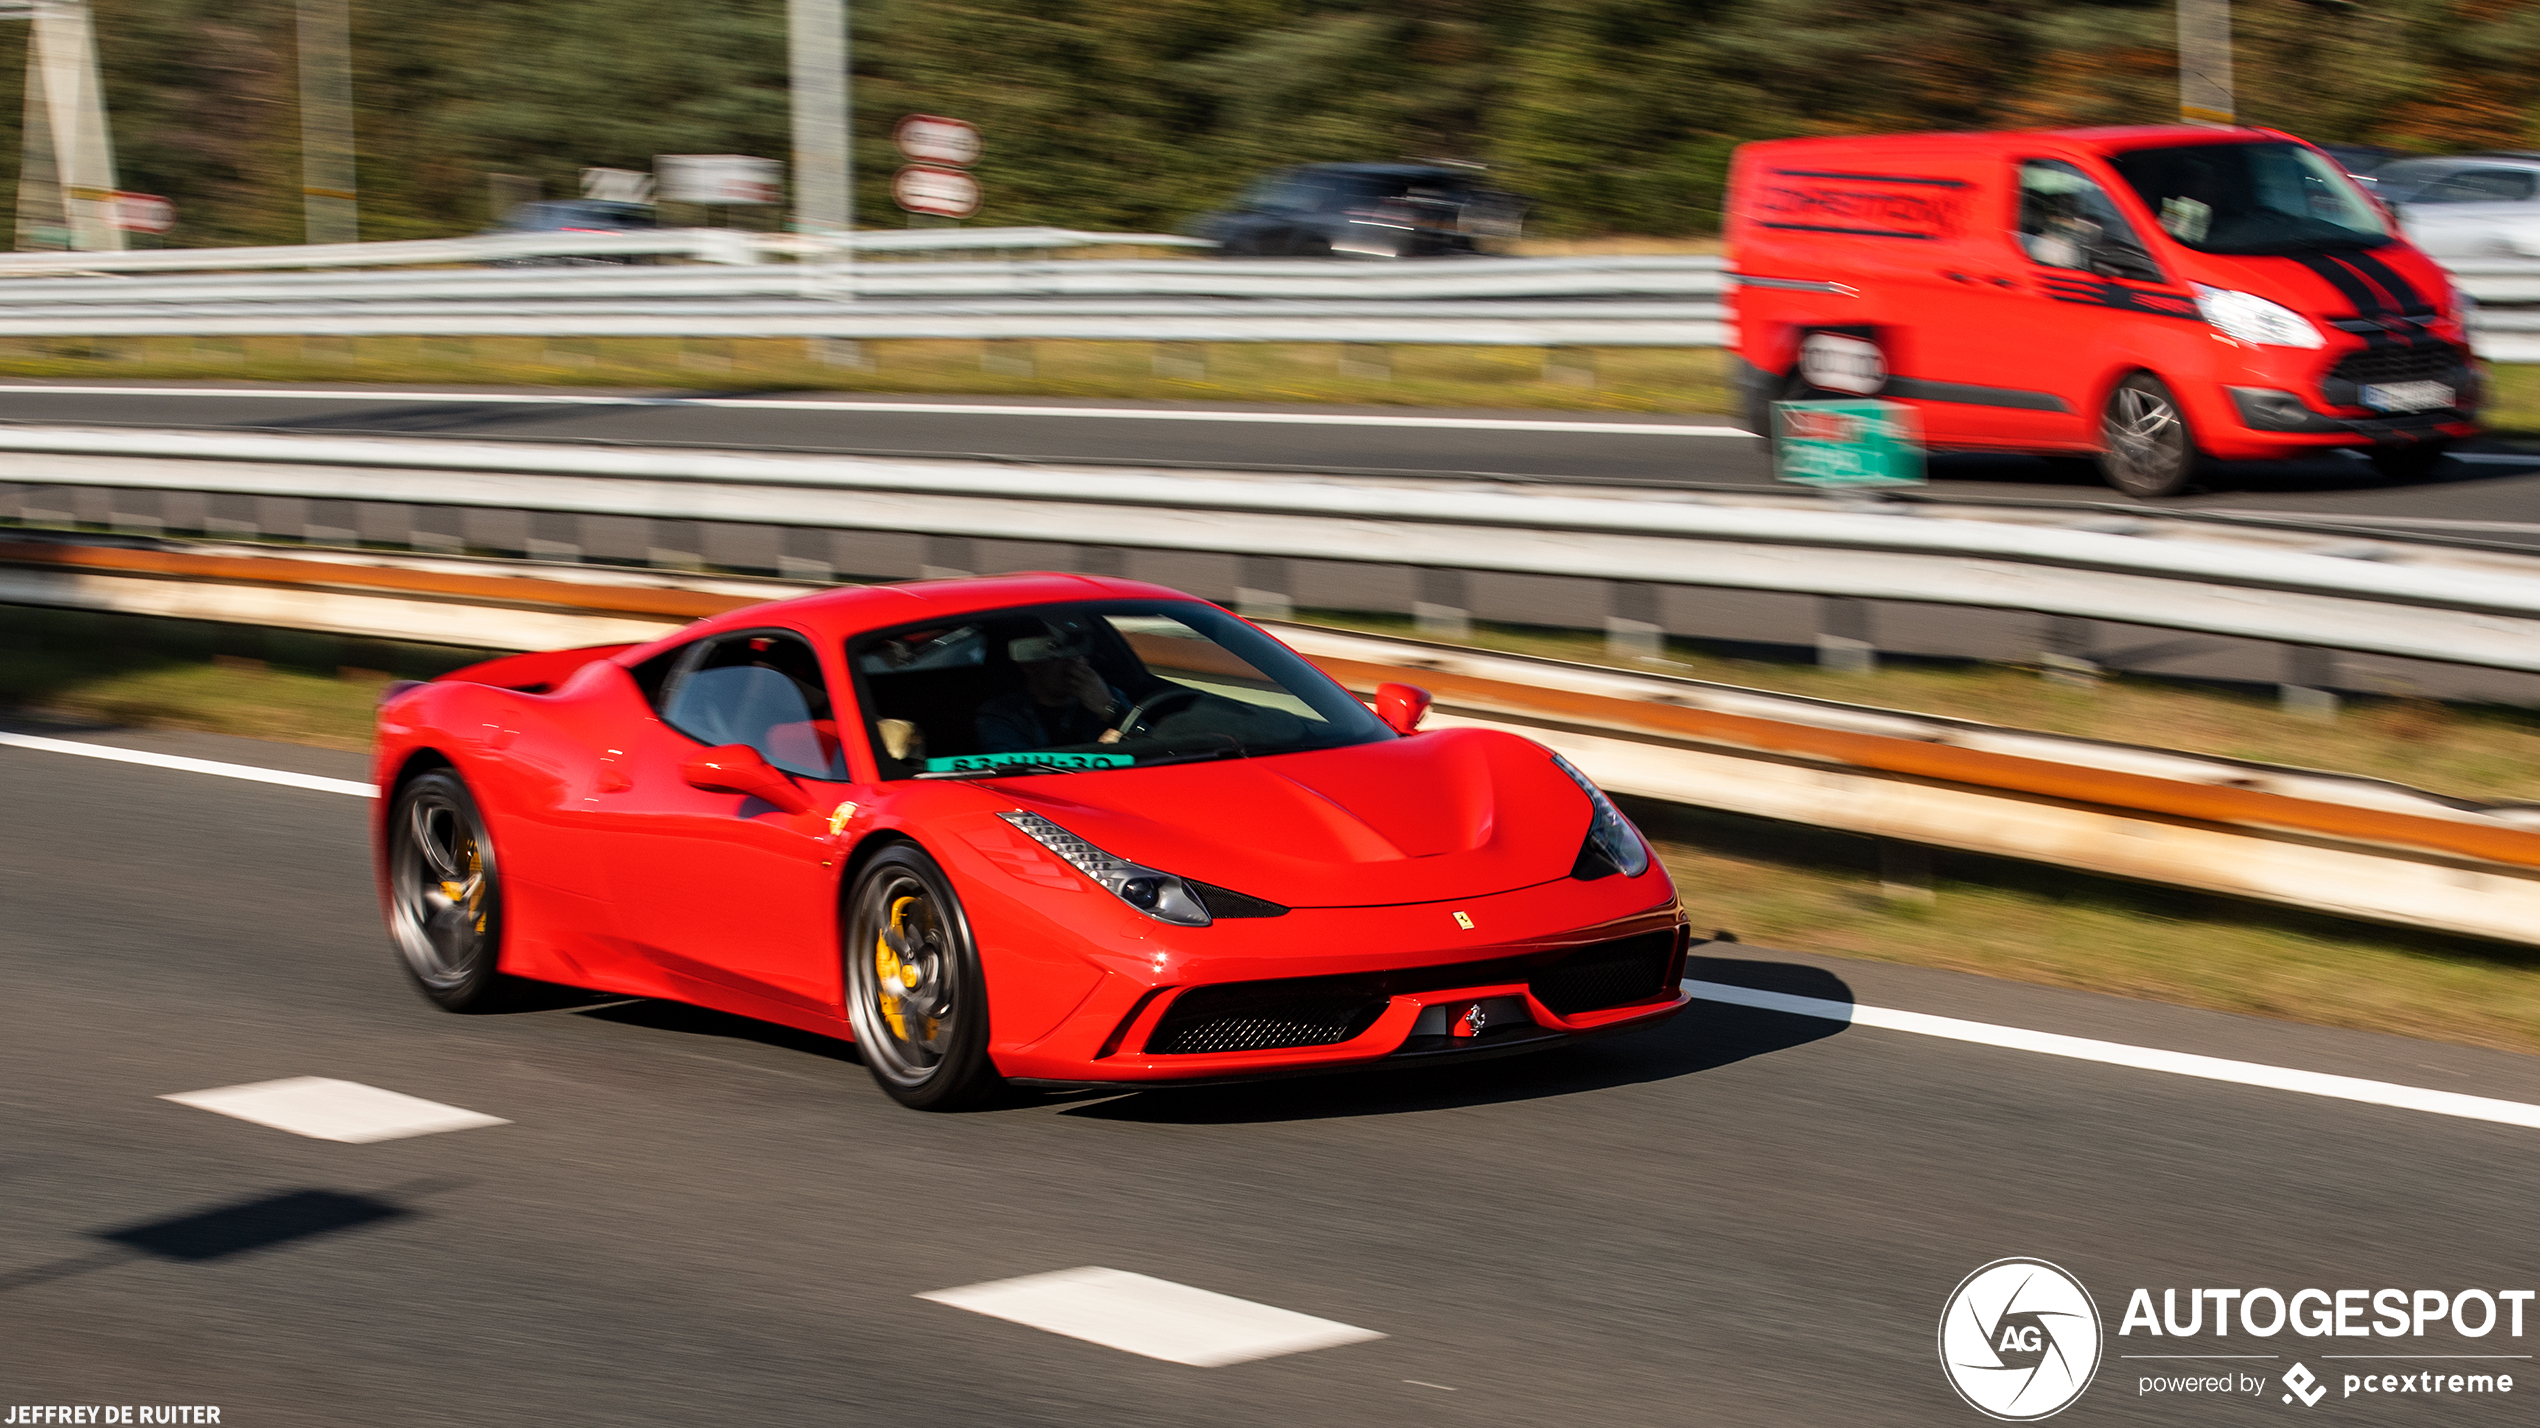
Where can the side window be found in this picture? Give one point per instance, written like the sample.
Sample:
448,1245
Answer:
2480,186
2068,221
761,688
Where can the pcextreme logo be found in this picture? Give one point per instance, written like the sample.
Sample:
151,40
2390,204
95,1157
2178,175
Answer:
2019,1339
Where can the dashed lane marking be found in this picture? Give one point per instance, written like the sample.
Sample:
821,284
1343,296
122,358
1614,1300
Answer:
529,399
2142,1058
185,765
1155,1317
325,1109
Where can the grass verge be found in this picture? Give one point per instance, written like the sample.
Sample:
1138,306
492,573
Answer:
2485,752
1811,889
1779,884
1619,379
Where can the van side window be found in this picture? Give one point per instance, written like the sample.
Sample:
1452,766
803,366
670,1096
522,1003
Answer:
2067,221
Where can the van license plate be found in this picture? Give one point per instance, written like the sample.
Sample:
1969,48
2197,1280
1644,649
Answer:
2407,396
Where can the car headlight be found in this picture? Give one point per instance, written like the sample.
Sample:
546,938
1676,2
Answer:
1159,895
1613,844
2252,318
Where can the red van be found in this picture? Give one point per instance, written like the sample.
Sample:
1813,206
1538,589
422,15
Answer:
2150,297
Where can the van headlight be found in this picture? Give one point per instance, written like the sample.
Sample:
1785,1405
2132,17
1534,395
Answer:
1159,895
2253,319
1613,844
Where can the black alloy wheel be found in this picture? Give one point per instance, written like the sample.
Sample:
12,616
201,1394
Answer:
2412,462
445,897
915,996
2146,449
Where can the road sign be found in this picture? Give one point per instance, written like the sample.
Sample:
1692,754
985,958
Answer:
617,185
1847,443
945,193
933,139
719,178
144,213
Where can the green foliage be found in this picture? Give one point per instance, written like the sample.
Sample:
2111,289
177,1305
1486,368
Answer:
1614,115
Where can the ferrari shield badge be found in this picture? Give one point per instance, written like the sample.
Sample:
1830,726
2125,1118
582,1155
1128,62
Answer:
840,817
1464,920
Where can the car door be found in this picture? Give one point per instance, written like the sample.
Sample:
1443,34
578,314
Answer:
2078,278
725,889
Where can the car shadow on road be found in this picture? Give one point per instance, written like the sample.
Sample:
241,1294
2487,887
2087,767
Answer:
1703,1037
704,1022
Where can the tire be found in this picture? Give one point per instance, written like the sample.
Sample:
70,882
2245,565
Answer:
445,896
2146,447
915,995
2413,462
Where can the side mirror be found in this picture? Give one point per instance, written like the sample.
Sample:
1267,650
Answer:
738,768
1402,706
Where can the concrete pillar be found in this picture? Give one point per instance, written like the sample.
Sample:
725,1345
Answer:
1843,635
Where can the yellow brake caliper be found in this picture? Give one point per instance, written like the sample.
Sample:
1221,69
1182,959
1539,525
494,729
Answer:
471,892
887,967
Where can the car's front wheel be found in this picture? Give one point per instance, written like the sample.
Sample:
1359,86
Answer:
445,894
2146,449
915,996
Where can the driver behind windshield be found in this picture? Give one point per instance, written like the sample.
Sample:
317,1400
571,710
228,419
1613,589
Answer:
1062,701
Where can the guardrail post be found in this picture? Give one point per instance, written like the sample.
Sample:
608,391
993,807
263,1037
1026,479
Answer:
554,535
948,558
806,555
1843,635
438,528
1100,560
678,544
1182,361
1904,871
1443,608
842,352
1632,628
1569,366
1263,588
1007,359
2309,676
2066,658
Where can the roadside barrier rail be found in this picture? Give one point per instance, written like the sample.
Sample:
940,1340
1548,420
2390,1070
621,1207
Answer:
705,245
2416,602
2352,846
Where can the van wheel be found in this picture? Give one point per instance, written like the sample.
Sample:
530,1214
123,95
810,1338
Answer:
2145,447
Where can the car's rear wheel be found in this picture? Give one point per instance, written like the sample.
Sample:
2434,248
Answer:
915,996
2146,449
445,894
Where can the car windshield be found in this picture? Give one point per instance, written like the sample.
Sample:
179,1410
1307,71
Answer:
2273,197
1099,685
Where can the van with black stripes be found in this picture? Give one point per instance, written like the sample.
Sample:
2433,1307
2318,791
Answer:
2148,299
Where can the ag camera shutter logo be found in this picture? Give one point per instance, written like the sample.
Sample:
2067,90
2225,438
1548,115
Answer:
2019,1340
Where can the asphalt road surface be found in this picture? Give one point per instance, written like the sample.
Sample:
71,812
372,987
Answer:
1744,1218
2491,493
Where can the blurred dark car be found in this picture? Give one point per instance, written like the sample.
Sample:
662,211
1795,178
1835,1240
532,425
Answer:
1363,210
575,215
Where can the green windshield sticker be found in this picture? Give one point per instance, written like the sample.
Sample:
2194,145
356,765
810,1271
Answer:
966,763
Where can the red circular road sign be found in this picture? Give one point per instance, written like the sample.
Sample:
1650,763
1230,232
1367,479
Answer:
144,213
945,193
933,139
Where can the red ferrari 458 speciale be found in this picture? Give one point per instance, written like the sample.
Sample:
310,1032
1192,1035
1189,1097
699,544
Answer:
1047,829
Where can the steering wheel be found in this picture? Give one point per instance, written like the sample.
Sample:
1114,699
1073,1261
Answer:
1139,711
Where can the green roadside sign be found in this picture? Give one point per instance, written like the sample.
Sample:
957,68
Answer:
1858,441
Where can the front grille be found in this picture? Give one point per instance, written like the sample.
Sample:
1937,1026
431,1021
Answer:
1266,1016
2431,362
1606,974
1322,1011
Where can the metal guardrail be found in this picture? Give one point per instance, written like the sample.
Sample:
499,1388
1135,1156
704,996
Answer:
2471,608
705,245
2352,846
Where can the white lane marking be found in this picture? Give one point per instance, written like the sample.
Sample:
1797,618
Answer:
2142,1058
1154,1317
528,399
325,1109
185,765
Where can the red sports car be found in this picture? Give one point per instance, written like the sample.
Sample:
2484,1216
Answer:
1045,829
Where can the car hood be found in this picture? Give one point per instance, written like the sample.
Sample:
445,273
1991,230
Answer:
2363,282
1451,813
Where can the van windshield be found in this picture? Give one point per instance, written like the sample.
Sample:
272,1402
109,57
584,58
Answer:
2271,197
